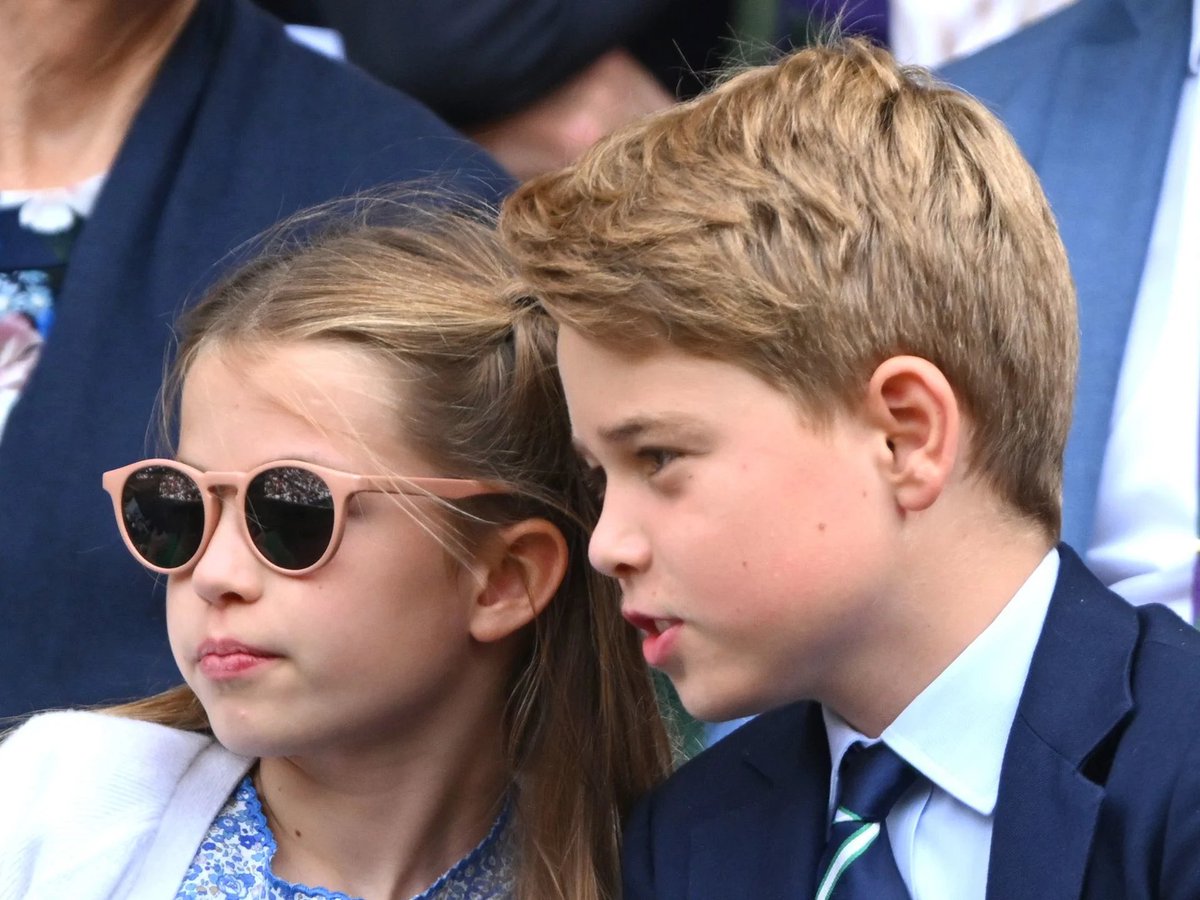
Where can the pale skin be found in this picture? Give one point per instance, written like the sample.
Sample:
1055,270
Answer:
73,74
379,724
771,560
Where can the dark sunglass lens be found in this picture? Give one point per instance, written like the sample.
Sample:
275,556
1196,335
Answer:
163,512
290,514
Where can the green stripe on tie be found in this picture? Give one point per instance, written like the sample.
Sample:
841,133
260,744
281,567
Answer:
852,848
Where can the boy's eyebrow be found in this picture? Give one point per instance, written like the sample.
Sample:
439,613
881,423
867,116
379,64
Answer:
638,426
620,434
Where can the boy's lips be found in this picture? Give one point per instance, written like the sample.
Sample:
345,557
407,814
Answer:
661,634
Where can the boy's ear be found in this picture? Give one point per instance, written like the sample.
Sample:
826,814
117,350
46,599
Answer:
525,564
913,405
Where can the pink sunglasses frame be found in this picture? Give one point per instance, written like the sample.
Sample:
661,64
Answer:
342,486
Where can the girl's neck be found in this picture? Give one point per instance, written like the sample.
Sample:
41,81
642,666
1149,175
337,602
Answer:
387,823
72,77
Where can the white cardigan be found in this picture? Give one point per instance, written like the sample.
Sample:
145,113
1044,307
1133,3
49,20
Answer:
95,806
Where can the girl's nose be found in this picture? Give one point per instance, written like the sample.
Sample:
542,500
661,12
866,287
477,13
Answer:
228,570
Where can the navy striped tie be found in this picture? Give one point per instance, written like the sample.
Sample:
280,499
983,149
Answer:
858,862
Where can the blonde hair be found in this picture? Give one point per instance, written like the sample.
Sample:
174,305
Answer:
809,219
438,298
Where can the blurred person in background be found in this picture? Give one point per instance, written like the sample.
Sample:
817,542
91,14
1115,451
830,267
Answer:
917,31
535,82
1103,99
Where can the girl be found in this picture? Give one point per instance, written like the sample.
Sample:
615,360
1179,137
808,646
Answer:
402,677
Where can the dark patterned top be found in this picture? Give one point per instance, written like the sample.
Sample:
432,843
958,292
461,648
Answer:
37,230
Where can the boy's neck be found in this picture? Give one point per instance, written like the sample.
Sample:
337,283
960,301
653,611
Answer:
960,568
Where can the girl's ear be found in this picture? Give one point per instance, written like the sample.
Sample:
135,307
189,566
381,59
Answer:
525,563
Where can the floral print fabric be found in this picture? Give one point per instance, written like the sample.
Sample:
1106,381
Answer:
234,861
37,230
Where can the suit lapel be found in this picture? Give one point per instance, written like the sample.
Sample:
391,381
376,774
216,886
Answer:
769,846
1076,697
1108,132
1044,824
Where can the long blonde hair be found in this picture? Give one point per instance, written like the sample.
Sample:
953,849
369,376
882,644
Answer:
438,298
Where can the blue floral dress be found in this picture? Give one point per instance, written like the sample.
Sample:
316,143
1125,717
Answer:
234,861
37,230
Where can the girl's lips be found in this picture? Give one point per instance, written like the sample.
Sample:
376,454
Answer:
225,658
232,665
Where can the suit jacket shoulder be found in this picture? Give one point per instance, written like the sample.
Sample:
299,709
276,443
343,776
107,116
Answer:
744,818
1100,786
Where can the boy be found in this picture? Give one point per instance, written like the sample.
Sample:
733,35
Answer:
818,337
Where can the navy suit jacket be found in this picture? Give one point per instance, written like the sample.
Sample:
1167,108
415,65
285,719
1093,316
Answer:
241,128
1099,790
1091,95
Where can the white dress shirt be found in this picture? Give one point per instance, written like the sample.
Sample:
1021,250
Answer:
1144,540
954,734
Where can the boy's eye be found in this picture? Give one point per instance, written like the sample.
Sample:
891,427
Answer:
656,458
595,479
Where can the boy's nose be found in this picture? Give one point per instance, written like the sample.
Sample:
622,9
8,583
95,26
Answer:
618,548
228,570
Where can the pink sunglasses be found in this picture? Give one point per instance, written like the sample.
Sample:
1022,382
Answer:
293,512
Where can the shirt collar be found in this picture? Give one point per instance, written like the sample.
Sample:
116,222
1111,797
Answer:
954,732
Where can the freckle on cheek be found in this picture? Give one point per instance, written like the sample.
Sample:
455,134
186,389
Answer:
820,526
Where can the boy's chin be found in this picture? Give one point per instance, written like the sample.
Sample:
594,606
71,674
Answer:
714,707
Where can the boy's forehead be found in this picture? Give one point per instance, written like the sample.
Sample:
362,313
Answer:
616,395
649,372
572,342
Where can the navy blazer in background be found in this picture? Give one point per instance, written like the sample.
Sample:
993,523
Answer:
241,128
1099,790
1091,96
